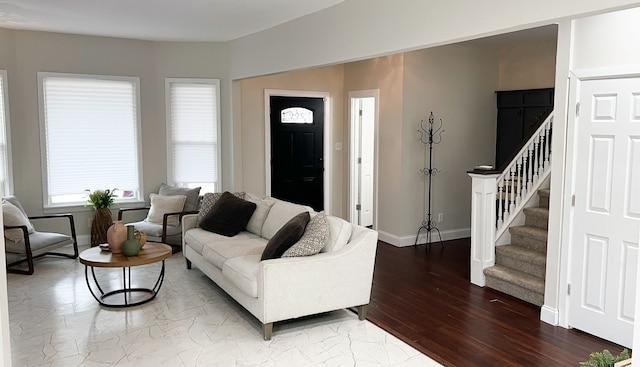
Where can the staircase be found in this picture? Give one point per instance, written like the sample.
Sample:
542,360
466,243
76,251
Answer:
519,268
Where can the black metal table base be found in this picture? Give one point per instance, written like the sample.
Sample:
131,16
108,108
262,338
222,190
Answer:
130,296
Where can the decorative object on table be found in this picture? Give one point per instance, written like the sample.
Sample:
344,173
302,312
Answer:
140,237
427,134
116,235
101,200
131,246
606,359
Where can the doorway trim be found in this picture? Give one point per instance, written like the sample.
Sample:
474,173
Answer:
327,155
352,213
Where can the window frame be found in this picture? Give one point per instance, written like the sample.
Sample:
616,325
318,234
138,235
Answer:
8,185
135,81
167,96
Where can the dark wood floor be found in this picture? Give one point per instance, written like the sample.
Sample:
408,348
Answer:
426,300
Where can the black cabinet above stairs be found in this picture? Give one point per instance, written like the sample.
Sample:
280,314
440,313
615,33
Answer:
520,113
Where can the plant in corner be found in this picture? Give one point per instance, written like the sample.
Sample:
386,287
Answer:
605,359
101,200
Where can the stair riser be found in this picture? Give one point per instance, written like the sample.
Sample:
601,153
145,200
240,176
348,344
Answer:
537,221
531,243
518,264
543,200
515,291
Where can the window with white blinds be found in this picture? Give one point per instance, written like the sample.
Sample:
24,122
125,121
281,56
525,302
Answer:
5,151
193,130
91,130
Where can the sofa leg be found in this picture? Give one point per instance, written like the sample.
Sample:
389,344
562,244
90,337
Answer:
188,263
362,312
267,331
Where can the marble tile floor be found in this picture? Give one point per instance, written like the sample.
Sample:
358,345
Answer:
56,322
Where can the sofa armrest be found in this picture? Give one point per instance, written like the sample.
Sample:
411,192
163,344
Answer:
189,221
294,287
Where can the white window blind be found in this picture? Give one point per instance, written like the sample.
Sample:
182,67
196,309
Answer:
90,126
5,152
193,130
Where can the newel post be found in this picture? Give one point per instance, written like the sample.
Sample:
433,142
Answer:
483,223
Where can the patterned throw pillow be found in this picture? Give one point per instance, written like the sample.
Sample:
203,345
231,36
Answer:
315,237
209,200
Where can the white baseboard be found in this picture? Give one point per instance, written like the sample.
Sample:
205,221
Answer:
404,241
549,315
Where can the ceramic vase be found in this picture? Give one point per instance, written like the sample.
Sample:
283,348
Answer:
131,246
116,235
141,237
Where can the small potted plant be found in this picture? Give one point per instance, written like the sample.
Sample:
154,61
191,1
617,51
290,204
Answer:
605,359
101,200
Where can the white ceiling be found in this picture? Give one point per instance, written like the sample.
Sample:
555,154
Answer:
156,20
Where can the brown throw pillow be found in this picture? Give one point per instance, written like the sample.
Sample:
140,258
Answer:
286,236
228,216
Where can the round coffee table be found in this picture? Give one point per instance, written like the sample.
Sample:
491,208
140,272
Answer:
96,258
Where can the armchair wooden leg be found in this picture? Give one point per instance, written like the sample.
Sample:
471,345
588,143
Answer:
188,263
362,312
267,331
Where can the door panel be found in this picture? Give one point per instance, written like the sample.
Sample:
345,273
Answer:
297,125
605,217
362,159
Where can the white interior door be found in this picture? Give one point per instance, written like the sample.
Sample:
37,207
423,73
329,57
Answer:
362,153
606,215
367,125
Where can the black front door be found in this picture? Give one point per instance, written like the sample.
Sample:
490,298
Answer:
297,149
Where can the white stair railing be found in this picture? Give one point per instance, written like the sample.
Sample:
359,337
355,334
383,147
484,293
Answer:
498,197
523,175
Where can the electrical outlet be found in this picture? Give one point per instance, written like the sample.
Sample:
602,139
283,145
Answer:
440,217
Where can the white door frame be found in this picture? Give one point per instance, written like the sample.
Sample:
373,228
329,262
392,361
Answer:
327,155
353,169
566,244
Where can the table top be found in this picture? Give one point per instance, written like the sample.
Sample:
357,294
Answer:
151,252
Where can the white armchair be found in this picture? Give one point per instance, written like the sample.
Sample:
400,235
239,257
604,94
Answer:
23,244
162,223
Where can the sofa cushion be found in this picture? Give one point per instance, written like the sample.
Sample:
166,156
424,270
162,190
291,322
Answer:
314,238
218,252
281,212
242,271
192,194
263,207
209,200
229,215
289,234
196,238
340,231
165,204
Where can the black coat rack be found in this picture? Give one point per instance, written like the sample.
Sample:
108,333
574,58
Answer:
427,137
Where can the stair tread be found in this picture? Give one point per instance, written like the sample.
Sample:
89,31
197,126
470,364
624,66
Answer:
537,210
522,253
544,192
536,232
524,280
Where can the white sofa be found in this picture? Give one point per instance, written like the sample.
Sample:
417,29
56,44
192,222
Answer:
340,276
